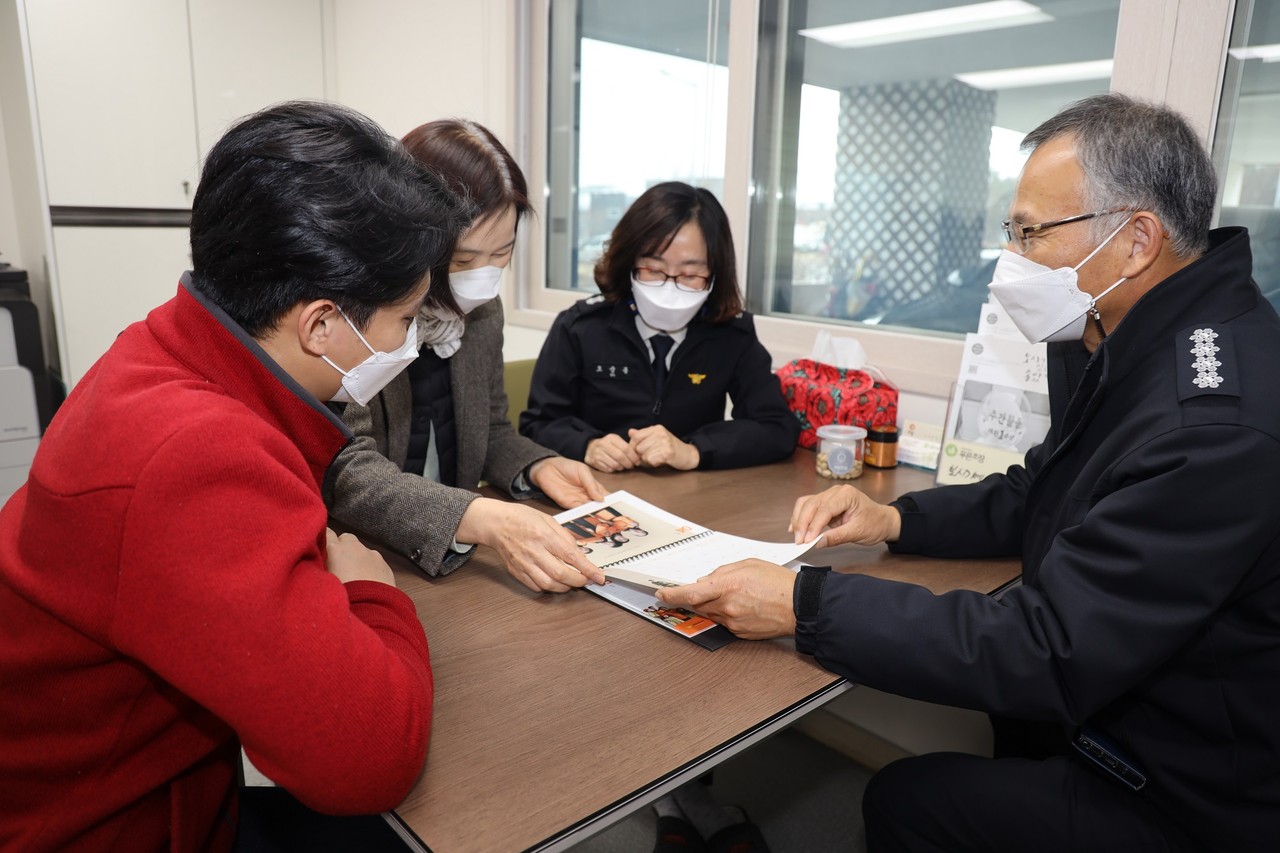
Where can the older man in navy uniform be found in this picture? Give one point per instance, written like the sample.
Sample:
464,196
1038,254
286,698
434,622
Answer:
1134,676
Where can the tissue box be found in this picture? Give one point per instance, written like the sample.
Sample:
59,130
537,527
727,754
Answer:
820,394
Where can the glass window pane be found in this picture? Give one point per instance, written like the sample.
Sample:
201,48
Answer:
1246,149
639,94
891,153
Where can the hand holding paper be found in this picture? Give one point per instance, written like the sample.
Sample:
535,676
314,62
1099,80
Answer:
752,598
535,550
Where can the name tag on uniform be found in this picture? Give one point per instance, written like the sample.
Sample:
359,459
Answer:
614,371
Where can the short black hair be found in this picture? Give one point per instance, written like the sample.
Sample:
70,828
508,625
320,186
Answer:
307,200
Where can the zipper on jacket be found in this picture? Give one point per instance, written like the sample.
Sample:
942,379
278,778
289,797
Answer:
1068,439
645,354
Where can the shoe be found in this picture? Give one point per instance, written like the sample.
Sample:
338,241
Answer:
677,835
742,837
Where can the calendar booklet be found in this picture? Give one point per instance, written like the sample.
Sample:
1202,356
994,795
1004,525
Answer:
634,541
641,547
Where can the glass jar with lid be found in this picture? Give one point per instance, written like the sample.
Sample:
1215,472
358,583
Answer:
840,451
882,446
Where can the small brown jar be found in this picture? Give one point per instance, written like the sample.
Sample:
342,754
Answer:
882,447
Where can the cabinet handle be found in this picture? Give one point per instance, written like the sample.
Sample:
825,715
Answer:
186,189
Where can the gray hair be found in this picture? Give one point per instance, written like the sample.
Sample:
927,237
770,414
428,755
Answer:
1138,156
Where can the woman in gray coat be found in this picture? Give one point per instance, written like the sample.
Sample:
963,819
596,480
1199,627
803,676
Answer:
441,426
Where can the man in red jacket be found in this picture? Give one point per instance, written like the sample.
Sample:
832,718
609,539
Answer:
168,589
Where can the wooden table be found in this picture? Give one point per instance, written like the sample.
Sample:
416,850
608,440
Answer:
557,715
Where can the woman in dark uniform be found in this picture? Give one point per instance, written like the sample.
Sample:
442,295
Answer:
639,375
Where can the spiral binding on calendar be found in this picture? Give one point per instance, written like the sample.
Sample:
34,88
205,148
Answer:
634,557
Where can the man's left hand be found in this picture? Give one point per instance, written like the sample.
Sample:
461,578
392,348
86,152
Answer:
566,481
751,598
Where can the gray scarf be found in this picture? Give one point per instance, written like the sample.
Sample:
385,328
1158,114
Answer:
443,333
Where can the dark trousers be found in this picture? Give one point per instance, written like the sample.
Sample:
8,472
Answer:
953,802
273,821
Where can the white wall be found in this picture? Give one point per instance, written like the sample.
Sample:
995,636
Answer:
406,62
403,62
10,250
24,227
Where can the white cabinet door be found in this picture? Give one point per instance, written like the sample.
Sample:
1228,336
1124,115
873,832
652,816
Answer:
113,91
109,278
247,54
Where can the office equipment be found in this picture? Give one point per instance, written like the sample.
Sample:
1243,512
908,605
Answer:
22,331
22,381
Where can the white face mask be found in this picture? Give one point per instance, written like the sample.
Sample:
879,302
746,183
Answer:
666,307
361,383
473,288
1045,304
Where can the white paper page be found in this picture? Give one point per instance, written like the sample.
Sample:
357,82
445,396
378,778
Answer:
1007,362
691,560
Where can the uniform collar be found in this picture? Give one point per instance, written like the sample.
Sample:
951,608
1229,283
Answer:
646,332
1213,289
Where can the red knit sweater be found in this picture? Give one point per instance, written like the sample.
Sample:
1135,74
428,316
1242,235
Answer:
164,599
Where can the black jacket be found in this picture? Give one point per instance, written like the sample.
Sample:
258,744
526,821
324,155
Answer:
594,377
1149,528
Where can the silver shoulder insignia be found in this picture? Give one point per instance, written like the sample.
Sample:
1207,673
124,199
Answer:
1206,365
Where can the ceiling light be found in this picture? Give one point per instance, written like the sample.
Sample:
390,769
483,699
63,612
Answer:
1037,75
923,25
1265,52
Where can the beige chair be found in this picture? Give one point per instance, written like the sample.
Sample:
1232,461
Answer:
517,376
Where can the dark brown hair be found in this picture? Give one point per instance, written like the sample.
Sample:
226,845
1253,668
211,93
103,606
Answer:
472,163
649,226
477,168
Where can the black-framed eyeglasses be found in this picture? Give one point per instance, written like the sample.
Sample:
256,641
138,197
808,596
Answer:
655,277
1018,235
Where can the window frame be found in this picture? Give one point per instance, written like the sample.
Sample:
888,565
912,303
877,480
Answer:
1150,34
